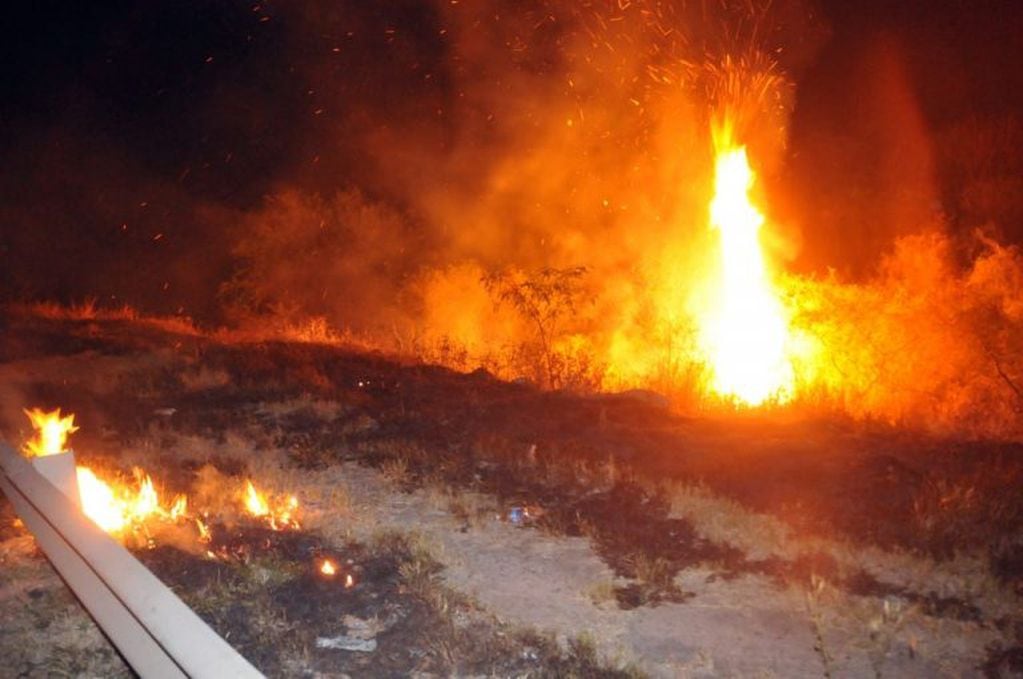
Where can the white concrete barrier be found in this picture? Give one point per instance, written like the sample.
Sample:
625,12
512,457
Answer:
155,632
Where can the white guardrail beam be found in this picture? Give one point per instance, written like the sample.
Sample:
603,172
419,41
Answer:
152,628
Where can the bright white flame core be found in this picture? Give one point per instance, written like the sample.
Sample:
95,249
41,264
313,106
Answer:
746,333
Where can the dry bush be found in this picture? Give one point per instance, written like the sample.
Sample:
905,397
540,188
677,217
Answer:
303,256
927,344
546,298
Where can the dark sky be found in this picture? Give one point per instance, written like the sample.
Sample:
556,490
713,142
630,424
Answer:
964,56
132,129
881,113
134,133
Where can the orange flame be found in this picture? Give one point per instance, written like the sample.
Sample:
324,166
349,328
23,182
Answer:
745,333
255,502
51,432
114,508
204,530
118,508
328,568
179,509
99,502
280,517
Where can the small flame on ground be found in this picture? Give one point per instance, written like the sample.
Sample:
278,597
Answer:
328,568
255,502
349,581
51,432
281,516
99,502
115,510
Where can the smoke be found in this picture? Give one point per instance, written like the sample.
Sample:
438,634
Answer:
532,136
373,165
867,175
147,144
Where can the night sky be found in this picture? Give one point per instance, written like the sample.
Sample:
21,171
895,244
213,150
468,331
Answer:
134,134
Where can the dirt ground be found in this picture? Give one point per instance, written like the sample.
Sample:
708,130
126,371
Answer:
496,530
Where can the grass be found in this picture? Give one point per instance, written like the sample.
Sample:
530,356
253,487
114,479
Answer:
720,519
815,595
760,537
244,412
472,509
45,631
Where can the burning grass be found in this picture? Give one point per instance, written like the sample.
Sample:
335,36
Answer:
854,441
927,344
267,592
876,513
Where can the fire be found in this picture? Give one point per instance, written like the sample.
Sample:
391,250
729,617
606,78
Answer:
111,509
255,502
51,432
204,530
99,502
120,508
281,516
179,510
745,333
329,569
115,510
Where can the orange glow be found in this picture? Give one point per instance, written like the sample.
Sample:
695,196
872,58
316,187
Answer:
349,581
51,432
328,568
744,333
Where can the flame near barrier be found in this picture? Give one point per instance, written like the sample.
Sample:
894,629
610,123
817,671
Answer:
121,509
51,432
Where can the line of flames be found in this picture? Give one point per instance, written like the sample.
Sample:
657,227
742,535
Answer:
120,508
